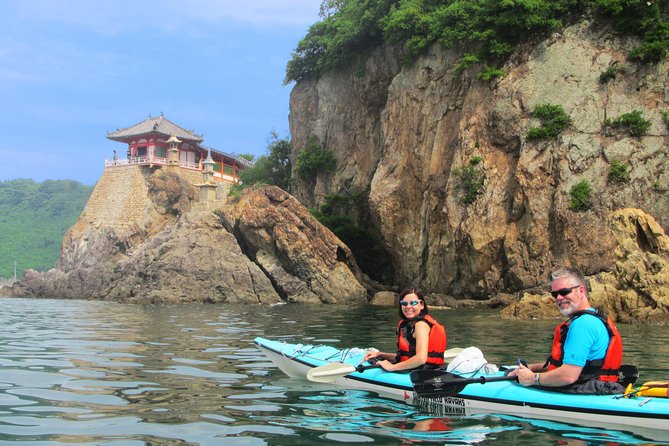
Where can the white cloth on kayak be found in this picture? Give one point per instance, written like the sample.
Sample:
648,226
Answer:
470,360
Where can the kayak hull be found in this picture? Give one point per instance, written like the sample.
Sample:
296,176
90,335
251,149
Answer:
645,416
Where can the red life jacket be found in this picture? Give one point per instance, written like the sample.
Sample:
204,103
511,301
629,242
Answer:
605,369
406,343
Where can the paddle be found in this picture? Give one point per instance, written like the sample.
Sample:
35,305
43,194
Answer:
439,383
331,372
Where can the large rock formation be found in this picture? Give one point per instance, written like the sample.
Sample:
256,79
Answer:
151,243
406,132
636,289
406,135
305,261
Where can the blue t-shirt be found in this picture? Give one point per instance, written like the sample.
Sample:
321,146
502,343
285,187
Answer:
587,339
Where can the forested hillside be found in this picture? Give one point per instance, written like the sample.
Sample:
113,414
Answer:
33,218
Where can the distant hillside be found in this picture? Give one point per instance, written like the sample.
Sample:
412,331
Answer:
33,218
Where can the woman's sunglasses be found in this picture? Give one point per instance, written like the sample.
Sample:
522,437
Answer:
563,291
413,303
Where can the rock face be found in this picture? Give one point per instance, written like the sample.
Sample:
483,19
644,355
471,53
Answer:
156,246
406,132
637,288
306,262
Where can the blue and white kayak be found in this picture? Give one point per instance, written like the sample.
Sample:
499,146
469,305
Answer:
648,416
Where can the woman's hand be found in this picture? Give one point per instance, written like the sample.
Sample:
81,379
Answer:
371,354
387,365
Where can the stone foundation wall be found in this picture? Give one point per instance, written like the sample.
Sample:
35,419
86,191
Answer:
119,198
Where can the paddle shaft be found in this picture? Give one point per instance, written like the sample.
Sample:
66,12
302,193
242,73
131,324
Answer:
361,368
486,379
331,372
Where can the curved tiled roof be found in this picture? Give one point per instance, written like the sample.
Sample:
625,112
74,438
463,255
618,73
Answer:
157,124
241,160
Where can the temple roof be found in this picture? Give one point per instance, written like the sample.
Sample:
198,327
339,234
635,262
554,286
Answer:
241,160
157,124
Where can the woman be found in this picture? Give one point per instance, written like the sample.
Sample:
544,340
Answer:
421,340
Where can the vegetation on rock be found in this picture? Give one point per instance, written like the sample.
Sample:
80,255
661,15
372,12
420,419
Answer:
553,121
580,194
633,122
313,159
619,172
470,180
34,218
609,74
665,118
350,27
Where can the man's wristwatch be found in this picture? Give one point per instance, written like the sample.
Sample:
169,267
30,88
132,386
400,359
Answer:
536,380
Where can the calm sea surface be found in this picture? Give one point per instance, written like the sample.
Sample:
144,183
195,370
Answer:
82,372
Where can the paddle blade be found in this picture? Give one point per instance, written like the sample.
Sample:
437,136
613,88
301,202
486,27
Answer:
436,383
330,372
439,383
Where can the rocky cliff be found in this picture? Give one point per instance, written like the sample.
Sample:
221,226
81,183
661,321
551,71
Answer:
404,136
143,238
406,132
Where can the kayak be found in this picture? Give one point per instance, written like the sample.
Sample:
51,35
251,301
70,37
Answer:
483,392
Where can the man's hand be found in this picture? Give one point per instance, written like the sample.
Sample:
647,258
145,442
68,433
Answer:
525,375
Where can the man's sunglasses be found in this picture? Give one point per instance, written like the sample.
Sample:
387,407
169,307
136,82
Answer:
413,303
563,291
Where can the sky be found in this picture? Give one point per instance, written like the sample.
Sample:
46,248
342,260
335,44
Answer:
73,70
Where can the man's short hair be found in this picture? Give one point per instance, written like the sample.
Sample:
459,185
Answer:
572,272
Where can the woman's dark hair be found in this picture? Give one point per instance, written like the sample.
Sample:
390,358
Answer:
421,296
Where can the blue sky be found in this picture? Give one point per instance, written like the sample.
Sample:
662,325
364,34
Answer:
73,70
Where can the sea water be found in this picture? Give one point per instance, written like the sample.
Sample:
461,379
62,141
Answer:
99,373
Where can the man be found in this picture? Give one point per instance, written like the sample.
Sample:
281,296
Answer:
587,348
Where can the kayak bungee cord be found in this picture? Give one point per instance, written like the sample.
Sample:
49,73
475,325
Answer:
301,353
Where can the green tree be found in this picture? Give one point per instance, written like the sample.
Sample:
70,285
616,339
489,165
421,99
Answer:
348,27
470,180
493,27
273,168
314,158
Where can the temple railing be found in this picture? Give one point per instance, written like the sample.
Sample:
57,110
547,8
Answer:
158,161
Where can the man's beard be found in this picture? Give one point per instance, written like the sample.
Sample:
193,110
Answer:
568,311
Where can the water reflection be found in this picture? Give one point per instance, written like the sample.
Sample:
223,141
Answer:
364,417
81,372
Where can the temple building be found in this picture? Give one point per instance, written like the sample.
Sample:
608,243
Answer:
157,141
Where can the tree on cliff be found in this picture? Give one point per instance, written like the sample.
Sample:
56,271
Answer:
350,27
273,168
